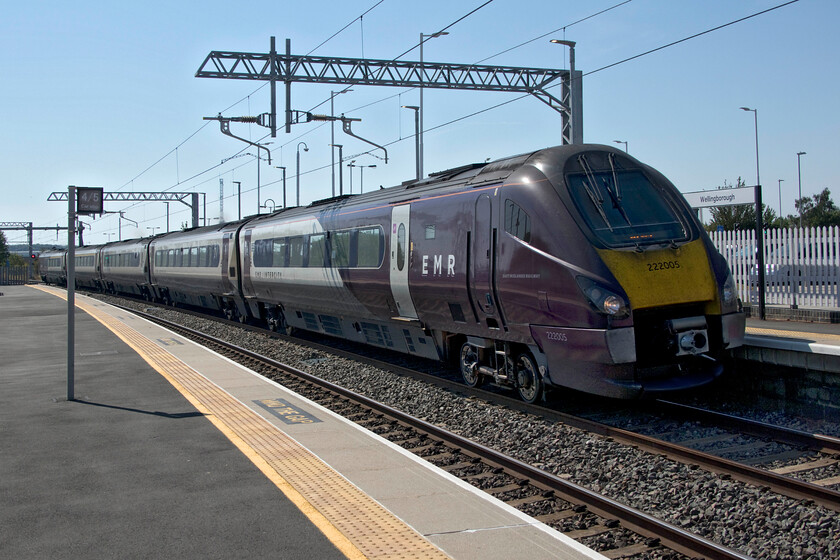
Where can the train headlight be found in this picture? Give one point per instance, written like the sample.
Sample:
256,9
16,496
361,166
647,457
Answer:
604,300
729,292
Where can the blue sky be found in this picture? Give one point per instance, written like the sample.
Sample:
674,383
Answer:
102,93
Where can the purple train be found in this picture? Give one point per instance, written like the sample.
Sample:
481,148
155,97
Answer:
574,266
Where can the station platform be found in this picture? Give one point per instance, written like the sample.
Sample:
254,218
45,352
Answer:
806,345
170,450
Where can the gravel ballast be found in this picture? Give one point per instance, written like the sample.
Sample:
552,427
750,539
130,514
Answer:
748,519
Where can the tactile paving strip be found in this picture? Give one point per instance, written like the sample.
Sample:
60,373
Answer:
818,337
374,532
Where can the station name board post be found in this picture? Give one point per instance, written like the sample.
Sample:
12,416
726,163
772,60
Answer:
80,200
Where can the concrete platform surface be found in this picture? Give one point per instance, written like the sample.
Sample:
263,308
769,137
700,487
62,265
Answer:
171,450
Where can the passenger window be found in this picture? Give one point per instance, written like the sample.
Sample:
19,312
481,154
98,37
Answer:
401,247
279,253
194,256
340,243
517,221
262,252
369,248
296,247
317,250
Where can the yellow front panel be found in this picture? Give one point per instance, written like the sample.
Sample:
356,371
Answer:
664,276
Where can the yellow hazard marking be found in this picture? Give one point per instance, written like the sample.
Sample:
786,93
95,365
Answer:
812,336
359,527
663,277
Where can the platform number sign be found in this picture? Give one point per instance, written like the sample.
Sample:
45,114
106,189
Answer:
89,200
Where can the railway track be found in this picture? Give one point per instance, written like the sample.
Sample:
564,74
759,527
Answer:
595,520
802,452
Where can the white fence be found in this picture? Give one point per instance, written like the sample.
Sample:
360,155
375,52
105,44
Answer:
801,265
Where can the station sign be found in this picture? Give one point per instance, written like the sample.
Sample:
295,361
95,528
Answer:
89,200
721,197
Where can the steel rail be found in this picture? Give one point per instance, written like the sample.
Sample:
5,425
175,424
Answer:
781,484
798,438
671,536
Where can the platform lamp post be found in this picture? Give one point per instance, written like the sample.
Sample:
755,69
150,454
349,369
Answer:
759,225
626,151
297,175
362,177
258,172
284,182
238,198
799,174
416,110
780,197
340,169
422,74
273,205
351,165
332,139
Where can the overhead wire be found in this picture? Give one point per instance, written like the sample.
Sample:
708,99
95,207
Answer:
490,108
247,97
509,101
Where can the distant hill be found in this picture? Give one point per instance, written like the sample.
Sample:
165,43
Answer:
22,249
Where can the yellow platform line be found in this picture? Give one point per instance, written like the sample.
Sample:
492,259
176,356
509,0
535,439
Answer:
833,338
356,524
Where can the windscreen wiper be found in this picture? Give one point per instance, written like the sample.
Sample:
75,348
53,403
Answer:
591,187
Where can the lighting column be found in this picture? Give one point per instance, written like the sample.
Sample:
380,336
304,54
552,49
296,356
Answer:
799,173
340,170
332,137
626,151
351,165
780,197
297,185
284,182
416,110
422,76
362,179
759,226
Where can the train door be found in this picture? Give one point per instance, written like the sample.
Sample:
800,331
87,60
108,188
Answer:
228,272
245,280
400,255
481,281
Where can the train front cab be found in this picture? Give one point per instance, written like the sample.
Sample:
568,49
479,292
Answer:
671,336
664,296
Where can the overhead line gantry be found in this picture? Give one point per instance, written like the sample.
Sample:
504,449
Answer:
287,68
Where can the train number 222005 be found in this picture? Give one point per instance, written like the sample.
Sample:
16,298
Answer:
665,265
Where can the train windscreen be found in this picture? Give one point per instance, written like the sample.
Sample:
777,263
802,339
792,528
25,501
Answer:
624,209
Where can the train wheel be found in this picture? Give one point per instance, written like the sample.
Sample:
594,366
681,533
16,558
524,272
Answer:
528,380
469,365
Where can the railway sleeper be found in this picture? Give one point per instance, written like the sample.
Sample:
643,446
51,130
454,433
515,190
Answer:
628,551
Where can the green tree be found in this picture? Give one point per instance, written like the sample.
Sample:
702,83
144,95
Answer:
741,216
817,211
4,249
